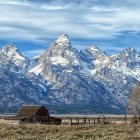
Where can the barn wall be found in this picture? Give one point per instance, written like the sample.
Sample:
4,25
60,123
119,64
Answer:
42,112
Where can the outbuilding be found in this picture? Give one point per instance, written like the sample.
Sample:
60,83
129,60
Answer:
36,114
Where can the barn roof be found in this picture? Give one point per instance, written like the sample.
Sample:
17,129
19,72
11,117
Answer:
30,110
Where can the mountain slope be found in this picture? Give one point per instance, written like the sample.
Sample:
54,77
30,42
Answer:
61,66
88,81
17,90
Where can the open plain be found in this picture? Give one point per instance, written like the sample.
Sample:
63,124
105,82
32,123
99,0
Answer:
67,132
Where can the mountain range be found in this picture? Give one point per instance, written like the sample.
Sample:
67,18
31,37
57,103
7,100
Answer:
67,80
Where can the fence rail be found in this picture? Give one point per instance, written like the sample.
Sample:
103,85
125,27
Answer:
95,120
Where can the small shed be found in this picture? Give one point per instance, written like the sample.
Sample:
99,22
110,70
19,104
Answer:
36,114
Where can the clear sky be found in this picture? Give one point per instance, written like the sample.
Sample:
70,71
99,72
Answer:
33,24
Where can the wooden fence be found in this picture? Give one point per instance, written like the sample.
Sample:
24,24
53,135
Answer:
95,120
86,120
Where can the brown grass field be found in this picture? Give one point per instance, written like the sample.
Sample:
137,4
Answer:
45,132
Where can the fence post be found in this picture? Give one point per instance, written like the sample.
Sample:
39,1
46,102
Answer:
89,120
125,119
71,121
78,120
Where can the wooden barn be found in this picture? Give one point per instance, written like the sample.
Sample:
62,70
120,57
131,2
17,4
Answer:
36,114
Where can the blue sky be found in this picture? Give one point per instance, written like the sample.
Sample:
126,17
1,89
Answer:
33,24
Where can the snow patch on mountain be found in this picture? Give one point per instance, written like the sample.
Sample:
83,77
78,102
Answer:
37,69
59,60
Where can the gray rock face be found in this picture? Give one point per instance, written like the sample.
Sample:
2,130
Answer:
16,90
63,76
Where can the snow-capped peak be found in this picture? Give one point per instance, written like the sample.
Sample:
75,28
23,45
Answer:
8,47
94,48
11,51
60,54
95,51
128,54
63,40
129,50
10,56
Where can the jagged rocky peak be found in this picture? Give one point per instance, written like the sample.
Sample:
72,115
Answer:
61,43
10,50
129,50
127,54
60,55
9,47
63,39
94,48
61,48
94,59
11,57
94,53
129,59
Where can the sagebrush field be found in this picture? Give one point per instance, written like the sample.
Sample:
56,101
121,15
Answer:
44,132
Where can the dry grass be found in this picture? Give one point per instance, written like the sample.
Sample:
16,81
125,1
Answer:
44,132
